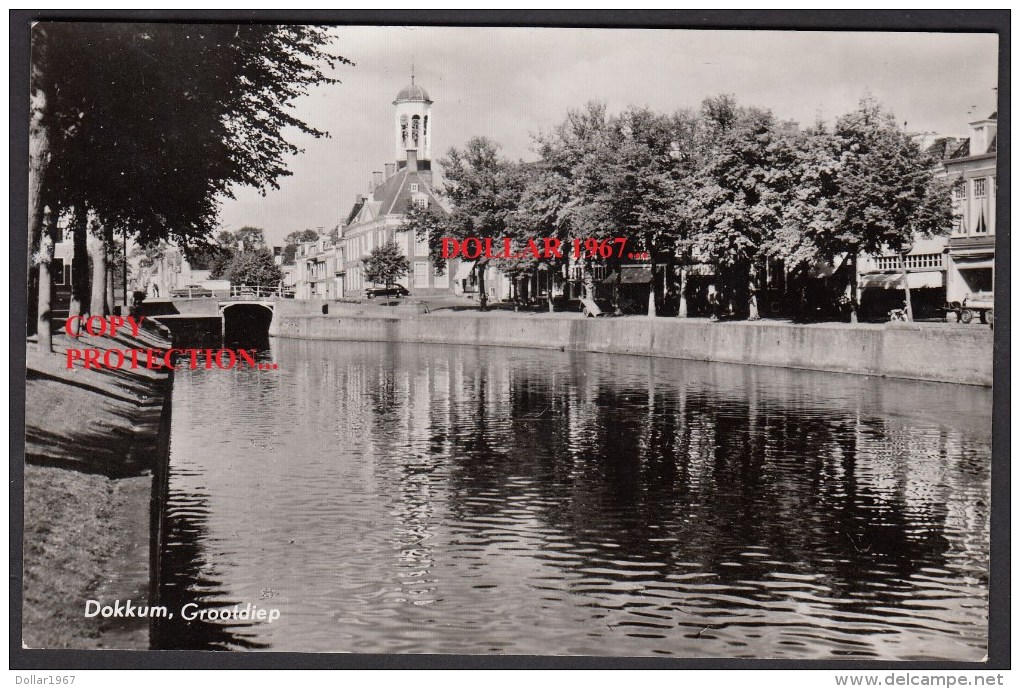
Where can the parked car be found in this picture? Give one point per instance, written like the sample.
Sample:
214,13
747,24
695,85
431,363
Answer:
388,291
191,292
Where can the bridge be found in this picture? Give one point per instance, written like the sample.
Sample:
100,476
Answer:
242,316
248,312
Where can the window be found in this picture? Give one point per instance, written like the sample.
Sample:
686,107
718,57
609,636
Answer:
421,274
982,224
979,188
441,280
960,190
421,246
414,188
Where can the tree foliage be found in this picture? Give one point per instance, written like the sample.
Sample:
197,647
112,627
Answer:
253,267
428,224
148,127
727,185
292,241
484,190
152,125
385,264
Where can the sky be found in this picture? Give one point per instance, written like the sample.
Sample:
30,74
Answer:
509,83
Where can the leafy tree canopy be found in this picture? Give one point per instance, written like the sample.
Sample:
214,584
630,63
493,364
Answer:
152,125
385,264
252,267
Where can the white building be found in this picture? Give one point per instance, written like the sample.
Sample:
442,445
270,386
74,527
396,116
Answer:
375,219
970,250
318,269
947,269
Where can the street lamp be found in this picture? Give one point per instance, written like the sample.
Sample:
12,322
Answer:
905,249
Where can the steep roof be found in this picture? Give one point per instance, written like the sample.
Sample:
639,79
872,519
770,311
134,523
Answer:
355,209
962,151
943,147
394,195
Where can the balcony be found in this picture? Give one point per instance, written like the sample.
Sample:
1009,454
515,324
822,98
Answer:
913,262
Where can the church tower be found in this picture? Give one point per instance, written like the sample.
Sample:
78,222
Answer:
413,125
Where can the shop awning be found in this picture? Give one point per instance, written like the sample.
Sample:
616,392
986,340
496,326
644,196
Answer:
631,275
464,270
920,280
963,263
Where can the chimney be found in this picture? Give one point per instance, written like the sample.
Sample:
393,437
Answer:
981,134
377,178
390,169
412,160
359,198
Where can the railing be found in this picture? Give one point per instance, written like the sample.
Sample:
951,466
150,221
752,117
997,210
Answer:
914,262
261,292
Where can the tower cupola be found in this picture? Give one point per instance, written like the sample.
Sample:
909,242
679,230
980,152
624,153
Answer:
413,125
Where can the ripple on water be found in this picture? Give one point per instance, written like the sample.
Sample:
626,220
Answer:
415,499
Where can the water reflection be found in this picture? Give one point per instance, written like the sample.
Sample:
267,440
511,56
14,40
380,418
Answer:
401,498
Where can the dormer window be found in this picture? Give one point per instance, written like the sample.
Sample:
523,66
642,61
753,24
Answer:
414,188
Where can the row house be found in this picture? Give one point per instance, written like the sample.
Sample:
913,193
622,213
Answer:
318,269
947,269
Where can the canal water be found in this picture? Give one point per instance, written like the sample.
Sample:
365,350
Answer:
400,498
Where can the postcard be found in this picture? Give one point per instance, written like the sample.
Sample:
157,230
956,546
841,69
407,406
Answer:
510,341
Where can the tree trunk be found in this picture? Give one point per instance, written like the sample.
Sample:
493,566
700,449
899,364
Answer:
80,271
97,250
38,163
124,273
852,258
44,316
752,295
483,298
111,288
906,288
681,311
111,262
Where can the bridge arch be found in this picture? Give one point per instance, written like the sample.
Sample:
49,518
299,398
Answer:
246,323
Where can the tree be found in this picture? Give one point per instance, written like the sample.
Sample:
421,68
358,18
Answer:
645,194
428,223
102,140
484,190
248,238
565,194
746,186
254,267
292,241
385,264
874,191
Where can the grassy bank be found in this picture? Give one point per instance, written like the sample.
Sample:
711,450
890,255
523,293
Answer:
92,449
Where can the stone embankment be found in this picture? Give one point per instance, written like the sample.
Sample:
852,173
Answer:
926,351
